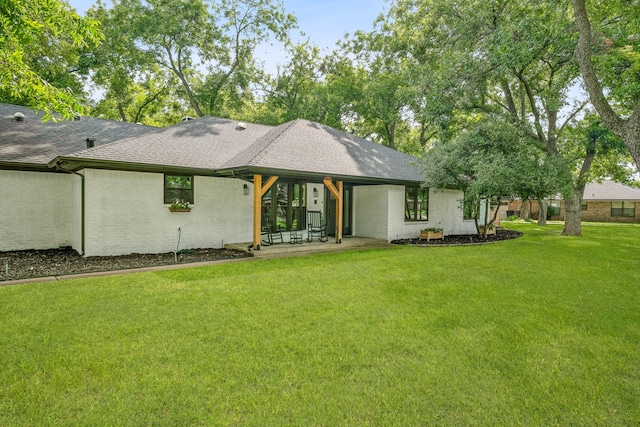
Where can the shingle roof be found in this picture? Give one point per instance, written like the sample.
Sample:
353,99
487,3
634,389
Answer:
299,147
33,142
609,190
205,143
209,144
310,147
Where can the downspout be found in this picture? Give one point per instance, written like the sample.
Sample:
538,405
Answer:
82,211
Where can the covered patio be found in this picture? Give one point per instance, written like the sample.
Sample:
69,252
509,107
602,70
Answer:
281,250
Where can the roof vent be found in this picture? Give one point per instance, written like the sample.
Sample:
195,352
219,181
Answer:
18,117
187,118
241,126
77,116
91,142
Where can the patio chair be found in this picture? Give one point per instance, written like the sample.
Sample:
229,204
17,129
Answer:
317,226
268,235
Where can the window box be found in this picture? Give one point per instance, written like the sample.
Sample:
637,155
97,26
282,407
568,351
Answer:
178,209
428,234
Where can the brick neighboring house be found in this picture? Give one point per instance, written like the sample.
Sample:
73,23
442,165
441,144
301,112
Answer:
607,201
105,188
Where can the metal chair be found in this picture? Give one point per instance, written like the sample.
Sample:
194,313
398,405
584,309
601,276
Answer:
316,226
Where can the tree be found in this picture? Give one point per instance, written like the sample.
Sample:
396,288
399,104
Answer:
612,66
295,91
134,87
499,57
38,46
491,158
198,50
222,35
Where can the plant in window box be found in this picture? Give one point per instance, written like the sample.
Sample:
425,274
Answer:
432,233
178,206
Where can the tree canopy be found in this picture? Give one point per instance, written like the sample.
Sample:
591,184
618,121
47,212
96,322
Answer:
39,42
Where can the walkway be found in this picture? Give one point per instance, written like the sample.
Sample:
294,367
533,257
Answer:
281,250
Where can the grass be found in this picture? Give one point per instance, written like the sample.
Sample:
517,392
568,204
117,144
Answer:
542,330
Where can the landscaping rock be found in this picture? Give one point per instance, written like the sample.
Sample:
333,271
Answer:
57,262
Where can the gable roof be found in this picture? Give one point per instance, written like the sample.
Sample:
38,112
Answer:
32,144
610,190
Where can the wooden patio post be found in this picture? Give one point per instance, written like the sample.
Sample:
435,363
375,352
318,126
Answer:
257,206
258,191
340,209
338,194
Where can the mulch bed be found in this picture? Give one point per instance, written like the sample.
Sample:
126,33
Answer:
59,262
462,239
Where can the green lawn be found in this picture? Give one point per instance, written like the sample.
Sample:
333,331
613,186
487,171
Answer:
542,330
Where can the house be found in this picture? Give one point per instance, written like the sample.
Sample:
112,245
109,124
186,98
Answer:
605,201
105,187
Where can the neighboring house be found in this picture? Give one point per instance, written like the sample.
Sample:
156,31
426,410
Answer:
113,198
607,201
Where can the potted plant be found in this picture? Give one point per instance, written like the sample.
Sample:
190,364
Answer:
178,206
432,233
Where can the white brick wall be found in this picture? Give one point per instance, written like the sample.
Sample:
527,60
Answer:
125,213
36,210
445,211
371,211
379,213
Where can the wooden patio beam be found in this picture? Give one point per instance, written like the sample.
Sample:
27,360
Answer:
267,185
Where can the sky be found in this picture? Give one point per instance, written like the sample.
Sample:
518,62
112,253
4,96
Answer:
323,21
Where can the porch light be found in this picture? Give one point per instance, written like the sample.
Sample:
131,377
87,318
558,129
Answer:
245,190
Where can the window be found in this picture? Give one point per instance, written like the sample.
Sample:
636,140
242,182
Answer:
284,211
468,209
623,209
583,206
554,207
416,204
178,188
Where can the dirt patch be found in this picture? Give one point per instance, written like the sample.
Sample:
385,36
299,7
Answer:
462,239
58,262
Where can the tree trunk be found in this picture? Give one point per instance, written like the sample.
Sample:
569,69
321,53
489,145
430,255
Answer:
572,221
542,212
525,209
123,115
627,129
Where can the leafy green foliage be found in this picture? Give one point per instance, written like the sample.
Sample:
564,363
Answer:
192,57
491,158
39,42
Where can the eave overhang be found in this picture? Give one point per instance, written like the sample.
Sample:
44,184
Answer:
73,164
27,167
248,172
